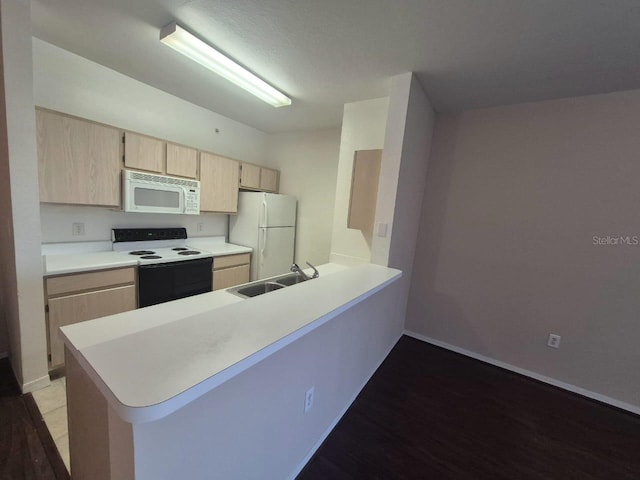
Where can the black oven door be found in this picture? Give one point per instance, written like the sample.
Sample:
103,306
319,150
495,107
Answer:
162,282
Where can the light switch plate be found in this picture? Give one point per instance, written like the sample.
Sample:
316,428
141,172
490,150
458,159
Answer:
77,229
308,399
554,340
382,229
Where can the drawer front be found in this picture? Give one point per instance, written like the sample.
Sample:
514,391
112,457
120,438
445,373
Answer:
230,277
231,260
85,306
78,282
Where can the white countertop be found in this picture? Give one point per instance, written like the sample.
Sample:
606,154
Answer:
73,261
83,262
150,362
217,248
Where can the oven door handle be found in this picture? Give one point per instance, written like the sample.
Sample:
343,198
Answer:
192,261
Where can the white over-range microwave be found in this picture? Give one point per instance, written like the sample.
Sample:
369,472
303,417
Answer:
150,193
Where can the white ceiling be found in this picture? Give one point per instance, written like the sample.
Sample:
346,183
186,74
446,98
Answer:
324,53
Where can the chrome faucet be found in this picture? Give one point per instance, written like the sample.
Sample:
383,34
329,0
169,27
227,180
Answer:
296,269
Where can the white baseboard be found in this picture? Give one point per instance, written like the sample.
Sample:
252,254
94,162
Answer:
551,381
36,384
340,415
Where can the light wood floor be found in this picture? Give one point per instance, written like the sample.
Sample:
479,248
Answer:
52,404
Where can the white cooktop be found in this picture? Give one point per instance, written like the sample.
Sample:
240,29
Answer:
62,258
148,256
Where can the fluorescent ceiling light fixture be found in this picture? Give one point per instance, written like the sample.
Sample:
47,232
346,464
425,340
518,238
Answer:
190,46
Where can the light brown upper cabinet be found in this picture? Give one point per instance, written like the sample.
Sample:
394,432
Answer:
364,189
268,179
143,153
255,177
250,176
218,183
78,160
182,161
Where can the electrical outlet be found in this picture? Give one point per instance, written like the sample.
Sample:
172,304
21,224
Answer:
77,229
308,399
554,340
200,227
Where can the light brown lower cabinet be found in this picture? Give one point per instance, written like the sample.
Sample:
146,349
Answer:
231,270
79,297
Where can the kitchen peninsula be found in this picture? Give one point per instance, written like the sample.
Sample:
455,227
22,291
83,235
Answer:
214,386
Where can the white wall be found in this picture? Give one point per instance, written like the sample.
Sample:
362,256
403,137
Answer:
308,164
69,83
403,172
254,426
8,281
22,292
402,124
403,176
506,252
363,128
72,84
57,220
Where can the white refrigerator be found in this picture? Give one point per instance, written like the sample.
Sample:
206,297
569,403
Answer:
266,222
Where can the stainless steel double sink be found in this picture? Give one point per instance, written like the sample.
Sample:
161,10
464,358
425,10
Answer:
259,287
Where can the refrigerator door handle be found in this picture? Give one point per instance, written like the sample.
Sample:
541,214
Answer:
265,213
264,245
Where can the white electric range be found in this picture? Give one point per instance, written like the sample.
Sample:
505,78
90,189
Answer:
167,268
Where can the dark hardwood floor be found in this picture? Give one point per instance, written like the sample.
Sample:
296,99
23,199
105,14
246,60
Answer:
428,413
27,450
